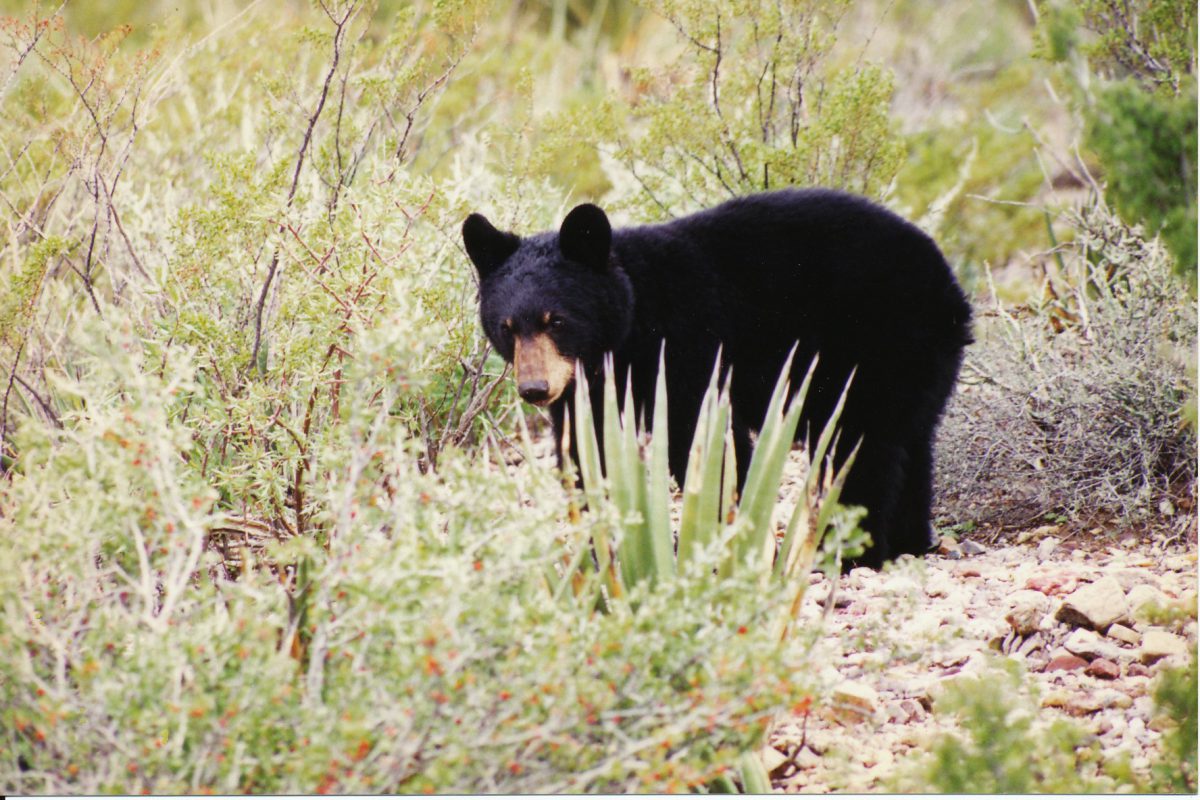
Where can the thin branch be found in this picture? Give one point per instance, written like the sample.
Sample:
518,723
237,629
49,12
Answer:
339,32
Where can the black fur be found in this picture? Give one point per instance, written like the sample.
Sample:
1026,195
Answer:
830,271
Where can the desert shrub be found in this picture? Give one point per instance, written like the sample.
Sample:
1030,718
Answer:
258,529
1130,71
750,103
1004,743
1076,404
1146,143
419,645
1175,698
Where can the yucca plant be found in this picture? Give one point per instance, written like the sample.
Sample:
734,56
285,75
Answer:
632,540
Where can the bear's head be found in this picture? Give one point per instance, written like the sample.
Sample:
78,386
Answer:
551,301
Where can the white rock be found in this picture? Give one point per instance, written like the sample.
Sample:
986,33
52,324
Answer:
1046,547
1026,609
1145,595
855,701
1086,644
1095,605
1129,578
1122,634
1157,644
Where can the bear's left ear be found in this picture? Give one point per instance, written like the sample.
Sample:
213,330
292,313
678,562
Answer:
487,246
586,236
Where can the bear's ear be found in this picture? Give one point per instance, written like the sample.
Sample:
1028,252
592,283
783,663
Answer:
586,236
487,247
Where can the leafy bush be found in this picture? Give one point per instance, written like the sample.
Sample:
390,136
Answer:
1006,745
417,644
751,103
1147,145
1141,114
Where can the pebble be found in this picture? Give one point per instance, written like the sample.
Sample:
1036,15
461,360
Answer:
1086,644
1095,605
1129,578
1053,584
1158,644
971,548
1046,548
1067,663
1088,667
949,548
1104,669
1036,533
854,702
1026,610
1143,597
1123,634
1137,670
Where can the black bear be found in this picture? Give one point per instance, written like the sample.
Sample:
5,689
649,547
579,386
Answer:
823,271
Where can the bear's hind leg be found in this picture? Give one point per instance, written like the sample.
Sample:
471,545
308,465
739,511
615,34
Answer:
911,531
874,482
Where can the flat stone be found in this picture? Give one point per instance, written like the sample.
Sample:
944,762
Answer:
1137,670
772,759
915,711
1112,698
1083,704
1066,663
1046,548
854,701
1054,583
970,548
1129,578
1026,610
1087,644
1158,644
1122,634
1104,669
1144,595
1036,533
949,548
1095,605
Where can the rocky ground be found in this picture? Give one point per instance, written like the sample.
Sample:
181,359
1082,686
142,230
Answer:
1074,614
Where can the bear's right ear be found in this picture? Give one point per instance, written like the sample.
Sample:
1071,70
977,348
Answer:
487,247
586,236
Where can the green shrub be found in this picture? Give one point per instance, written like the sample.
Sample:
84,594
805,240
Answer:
1131,72
1006,746
418,644
751,103
1146,144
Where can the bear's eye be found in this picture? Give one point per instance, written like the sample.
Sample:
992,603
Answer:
555,322
506,327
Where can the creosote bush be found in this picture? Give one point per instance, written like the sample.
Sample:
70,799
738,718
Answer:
415,646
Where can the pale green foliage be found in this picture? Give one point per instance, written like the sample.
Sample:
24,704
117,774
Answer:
1004,743
633,539
750,104
419,649
720,535
242,547
1006,747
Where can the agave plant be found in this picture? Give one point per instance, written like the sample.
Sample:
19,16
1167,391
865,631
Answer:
714,523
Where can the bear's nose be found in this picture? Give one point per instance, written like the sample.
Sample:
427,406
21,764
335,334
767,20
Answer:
534,391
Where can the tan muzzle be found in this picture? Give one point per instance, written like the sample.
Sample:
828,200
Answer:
542,373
